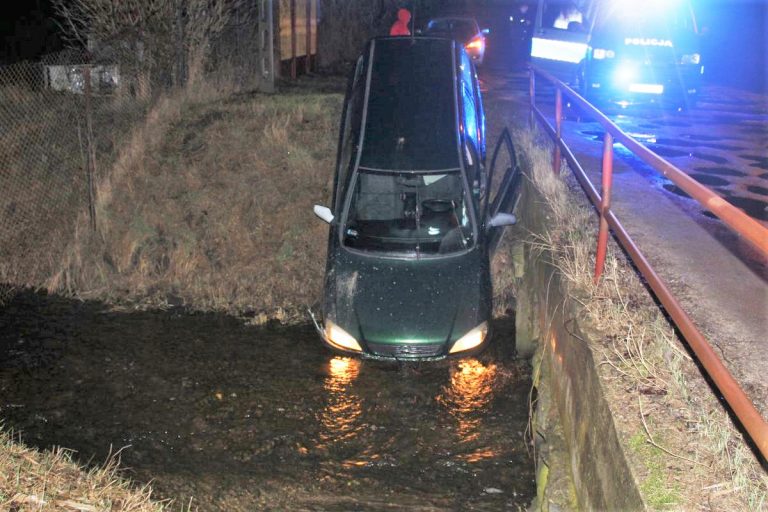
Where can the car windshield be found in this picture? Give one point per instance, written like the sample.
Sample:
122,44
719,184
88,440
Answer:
662,20
412,214
459,29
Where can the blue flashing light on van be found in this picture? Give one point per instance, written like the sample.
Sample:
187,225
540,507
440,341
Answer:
621,51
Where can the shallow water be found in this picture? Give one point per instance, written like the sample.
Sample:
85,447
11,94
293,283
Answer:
239,417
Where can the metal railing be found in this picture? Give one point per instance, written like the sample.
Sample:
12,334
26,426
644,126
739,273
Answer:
755,426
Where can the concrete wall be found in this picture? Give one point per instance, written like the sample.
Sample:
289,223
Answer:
568,382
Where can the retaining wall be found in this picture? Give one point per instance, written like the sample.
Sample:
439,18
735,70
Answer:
571,404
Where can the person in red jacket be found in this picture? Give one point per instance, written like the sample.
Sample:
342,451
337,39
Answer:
400,27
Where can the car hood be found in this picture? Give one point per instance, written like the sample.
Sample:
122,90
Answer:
389,301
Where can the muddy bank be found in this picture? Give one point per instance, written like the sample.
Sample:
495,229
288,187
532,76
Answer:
239,417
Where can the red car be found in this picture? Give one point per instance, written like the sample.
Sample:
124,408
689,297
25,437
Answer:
464,30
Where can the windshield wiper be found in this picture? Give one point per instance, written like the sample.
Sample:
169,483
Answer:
417,215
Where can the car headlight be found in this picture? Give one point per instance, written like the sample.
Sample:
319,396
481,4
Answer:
691,58
601,53
340,338
472,339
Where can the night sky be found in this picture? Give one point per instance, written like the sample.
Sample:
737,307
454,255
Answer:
27,30
734,44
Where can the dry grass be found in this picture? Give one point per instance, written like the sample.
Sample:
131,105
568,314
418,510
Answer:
684,449
211,205
32,480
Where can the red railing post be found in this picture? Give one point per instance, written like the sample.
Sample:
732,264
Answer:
605,205
558,129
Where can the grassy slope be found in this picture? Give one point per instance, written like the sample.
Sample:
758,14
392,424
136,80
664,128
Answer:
212,206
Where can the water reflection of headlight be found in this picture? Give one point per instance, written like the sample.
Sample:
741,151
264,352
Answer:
469,392
339,417
342,371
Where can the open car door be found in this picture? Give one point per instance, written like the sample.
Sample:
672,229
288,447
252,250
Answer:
505,171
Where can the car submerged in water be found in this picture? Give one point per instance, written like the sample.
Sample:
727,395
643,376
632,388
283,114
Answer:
407,274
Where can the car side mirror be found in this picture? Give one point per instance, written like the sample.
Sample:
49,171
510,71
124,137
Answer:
324,213
502,219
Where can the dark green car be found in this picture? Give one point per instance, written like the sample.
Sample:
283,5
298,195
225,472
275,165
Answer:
408,272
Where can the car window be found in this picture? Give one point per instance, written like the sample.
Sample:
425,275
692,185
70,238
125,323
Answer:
411,113
412,214
464,29
457,28
468,100
439,25
350,130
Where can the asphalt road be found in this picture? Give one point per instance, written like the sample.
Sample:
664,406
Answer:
720,280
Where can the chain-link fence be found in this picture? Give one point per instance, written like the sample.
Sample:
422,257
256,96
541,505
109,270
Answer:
65,119
59,134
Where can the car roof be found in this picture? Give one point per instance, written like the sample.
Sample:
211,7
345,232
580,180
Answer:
463,18
410,120
467,19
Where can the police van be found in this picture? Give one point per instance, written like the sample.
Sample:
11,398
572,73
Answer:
621,51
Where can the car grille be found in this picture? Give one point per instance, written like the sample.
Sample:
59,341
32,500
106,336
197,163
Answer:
405,351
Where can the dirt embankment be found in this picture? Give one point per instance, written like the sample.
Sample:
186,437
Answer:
210,206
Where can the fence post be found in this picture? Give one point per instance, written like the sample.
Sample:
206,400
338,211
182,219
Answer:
308,44
605,205
266,45
558,129
293,40
90,151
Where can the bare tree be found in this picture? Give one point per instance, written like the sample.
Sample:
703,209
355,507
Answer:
205,21
148,37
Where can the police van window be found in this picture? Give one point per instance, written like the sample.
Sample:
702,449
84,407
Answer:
560,14
668,19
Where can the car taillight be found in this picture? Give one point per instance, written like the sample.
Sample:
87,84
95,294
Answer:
476,43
